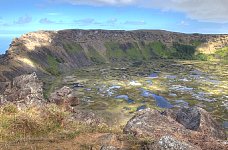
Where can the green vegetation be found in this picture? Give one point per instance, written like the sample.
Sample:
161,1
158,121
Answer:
141,51
72,48
159,50
197,43
125,51
222,54
50,85
18,124
184,51
53,65
95,56
47,122
201,56
132,51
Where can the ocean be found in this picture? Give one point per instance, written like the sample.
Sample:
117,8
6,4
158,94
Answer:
4,44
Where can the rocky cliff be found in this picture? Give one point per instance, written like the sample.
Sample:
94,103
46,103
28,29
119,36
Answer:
55,52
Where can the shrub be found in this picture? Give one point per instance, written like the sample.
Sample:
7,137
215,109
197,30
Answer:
184,51
201,56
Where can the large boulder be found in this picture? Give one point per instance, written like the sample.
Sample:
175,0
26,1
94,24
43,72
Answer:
200,120
26,89
186,125
151,123
64,97
189,117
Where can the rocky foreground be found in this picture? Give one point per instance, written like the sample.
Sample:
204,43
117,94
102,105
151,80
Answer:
185,128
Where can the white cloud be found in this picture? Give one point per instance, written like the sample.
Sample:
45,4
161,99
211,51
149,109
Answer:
46,21
86,22
23,20
97,2
183,23
201,10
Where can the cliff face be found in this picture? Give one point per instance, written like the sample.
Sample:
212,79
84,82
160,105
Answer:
54,52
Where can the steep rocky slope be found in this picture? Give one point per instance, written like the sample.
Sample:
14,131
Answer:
55,52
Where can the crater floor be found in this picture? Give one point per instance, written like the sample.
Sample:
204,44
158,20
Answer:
116,91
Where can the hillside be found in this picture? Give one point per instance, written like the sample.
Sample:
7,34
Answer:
55,52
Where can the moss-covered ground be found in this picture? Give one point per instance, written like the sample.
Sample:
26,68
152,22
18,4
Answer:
198,83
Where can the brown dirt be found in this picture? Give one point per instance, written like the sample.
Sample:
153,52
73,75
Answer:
89,141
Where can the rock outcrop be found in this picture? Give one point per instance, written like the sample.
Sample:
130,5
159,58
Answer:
151,123
64,97
204,132
170,143
88,118
190,118
198,119
24,89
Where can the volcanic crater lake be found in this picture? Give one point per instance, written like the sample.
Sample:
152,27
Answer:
108,89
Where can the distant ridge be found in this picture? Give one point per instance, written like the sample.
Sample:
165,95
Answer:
55,52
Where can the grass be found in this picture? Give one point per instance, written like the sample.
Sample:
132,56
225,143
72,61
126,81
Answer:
142,51
72,48
95,56
123,51
49,86
46,122
159,49
33,122
53,65
222,55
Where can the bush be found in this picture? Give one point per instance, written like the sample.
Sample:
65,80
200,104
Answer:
184,51
201,56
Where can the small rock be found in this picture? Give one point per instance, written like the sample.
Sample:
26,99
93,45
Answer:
170,143
108,148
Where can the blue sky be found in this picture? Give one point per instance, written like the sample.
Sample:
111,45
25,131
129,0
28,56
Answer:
189,16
